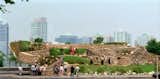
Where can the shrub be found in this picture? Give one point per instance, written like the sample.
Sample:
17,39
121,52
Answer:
83,69
38,40
66,51
112,69
76,59
81,51
55,52
24,46
137,70
101,69
122,69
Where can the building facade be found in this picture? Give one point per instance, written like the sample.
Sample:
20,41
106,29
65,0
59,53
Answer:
67,39
4,40
108,39
85,40
122,36
39,29
142,40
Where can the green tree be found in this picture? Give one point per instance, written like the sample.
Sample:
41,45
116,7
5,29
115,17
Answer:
37,45
13,59
6,2
1,58
67,42
98,40
38,40
153,46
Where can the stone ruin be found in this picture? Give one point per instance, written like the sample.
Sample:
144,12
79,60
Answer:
114,54
120,55
98,54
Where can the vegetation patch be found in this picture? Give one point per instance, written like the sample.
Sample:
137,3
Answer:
81,51
119,69
76,60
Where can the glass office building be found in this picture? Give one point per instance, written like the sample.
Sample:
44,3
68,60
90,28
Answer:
4,39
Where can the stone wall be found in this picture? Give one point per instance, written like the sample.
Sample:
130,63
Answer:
32,56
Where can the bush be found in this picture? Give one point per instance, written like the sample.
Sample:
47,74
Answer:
81,51
66,51
55,52
76,59
112,69
122,69
24,46
101,69
116,43
83,69
137,70
142,68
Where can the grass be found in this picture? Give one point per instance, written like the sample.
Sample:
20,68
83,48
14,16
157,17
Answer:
76,60
112,69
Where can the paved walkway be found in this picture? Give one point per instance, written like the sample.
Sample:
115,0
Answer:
12,76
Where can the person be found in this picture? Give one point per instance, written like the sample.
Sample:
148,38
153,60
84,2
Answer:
41,69
61,70
37,69
33,69
56,69
72,71
65,68
44,69
77,70
20,70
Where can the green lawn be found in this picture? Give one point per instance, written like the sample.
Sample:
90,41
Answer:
76,60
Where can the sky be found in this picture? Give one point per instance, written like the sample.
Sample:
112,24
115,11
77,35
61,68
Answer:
84,17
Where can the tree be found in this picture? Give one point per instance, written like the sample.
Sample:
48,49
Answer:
2,6
37,45
24,45
154,47
13,58
38,40
98,40
1,58
67,42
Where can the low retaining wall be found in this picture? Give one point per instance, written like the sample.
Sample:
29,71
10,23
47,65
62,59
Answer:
45,77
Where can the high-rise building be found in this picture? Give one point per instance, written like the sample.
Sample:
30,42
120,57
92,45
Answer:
108,39
122,36
67,39
39,29
142,40
4,39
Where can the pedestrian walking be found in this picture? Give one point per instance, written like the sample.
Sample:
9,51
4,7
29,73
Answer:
61,70
72,71
56,69
77,70
20,69
33,69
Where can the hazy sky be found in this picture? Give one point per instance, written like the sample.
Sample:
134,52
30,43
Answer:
85,17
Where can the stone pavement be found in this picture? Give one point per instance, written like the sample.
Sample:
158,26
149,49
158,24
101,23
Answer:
12,76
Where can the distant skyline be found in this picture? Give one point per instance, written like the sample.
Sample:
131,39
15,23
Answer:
85,17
